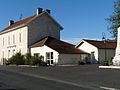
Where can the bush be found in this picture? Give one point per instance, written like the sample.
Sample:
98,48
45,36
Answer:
27,58
81,63
38,61
106,63
16,59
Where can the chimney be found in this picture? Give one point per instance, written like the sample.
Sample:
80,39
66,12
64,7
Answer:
11,22
39,10
48,11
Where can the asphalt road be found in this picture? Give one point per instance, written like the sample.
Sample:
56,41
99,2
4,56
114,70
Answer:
15,81
11,78
86,77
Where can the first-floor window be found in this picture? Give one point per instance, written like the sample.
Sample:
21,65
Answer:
13,39
19,37
13,51
8,40
3,41
49,58
8,53
36,54
49,55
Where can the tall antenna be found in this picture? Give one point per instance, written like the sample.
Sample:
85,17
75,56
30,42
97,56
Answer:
21,16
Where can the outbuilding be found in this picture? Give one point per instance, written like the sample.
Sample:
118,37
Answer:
58,52
99,50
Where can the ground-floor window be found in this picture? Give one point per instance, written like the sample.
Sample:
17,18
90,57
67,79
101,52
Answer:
36,54
49,58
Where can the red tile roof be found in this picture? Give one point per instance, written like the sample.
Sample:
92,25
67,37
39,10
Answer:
20,22
24,21
58,45
108,44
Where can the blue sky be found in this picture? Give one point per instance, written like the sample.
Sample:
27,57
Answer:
79,18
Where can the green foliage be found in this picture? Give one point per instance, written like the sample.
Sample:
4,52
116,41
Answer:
16,59
114,20
38,61
81,63
26,59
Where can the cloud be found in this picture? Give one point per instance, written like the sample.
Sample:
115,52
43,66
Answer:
77,40
72,40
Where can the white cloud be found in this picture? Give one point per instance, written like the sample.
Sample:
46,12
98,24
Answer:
72,40
77,40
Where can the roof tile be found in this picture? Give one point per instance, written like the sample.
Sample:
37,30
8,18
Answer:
58,45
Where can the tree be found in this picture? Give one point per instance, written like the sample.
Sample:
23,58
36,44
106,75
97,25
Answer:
114,20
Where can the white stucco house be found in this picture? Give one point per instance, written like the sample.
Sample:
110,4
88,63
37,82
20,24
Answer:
39,35
98,50
20,35
58,52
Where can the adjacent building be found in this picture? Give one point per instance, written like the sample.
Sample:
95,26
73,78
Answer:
99,50
57,52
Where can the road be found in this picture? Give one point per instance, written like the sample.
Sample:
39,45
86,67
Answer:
17,80
86,77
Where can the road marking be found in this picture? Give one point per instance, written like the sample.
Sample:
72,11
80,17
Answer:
108,88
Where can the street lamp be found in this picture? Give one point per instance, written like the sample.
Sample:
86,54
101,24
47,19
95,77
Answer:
104,39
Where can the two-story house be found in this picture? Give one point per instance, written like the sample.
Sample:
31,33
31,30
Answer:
19,36
38,34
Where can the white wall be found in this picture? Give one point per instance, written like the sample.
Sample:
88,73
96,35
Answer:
41,27
71,58
42,51
89,49
109,54
11,43
59,58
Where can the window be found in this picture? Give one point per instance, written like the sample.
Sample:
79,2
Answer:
13,39
8,53
8,40
19,50
20,37
3,54
48,55
49,58
13,51
3,41
36,54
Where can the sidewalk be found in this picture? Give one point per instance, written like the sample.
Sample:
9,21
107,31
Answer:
109,67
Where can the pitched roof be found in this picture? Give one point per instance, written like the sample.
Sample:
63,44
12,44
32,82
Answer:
20,22
108,44
28,19
58,45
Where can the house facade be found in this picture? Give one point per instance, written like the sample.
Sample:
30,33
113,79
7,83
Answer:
99,50
58,52
19,36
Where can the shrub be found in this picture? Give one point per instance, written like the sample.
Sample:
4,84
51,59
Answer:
16,59
81,63
27,58
36,60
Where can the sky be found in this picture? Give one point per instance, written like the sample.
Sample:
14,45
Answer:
79,18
